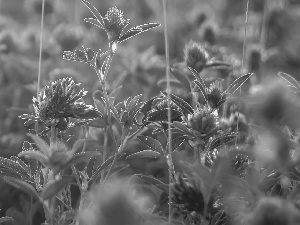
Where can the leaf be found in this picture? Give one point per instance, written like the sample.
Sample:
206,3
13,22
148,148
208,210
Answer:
218,65
267,184
21,163
219,141
135,110
290,80
77,158
182,127
147,106
99,169
98,123
144,154
56,186
162,115
4,219
14,167
157,183
115,113
177,142
100,106
137,30
115,92
22,185
237,83
93,21
33,154
151,143
181,77
202,89
96,13
183,105
78,146
41,144
133,102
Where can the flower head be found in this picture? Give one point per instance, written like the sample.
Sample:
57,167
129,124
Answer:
115,23
195,56
58,102
215,96
203,121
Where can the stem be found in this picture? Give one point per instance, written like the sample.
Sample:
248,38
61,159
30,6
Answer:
169,106
40,59
242,68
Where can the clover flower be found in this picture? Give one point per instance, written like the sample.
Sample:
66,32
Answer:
195,56
203,121
58,102
115,23
215,95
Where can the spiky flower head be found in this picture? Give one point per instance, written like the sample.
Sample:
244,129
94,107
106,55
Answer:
188,195
215,95
195,56
58,102
115,23
203,121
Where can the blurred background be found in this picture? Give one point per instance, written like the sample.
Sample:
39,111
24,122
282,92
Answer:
272,45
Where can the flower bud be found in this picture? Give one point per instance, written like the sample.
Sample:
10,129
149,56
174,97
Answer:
195,56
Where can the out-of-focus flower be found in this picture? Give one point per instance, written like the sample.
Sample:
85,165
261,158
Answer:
115,203
58,102
7,42
68,36
195,56
273,211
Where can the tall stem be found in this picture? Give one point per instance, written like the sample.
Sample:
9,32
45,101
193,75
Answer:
40,59
169,105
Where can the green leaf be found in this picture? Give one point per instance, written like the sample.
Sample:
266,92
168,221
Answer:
267,184
162,115
151,143
78,146
41,144
96,14
290,80
99,169
33,154
133,102
115,113
219,141
115,92
237,83
218,65
144,154
177,142
22,185
147,106
100,106
100,122
77,158
183,105
135,110
21,163
202,89
182,127
4,219
13,166
157,183
56,186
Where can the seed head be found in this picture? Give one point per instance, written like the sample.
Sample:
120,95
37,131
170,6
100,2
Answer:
195,56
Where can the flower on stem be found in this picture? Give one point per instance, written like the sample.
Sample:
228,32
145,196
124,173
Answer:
114,23
215,95
195,56
58,102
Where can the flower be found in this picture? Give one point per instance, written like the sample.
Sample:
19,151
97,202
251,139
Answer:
115,23
58,102
215,95
195,56
203,121
115,203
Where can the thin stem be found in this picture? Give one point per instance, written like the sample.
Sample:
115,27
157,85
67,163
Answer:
262,41
169,105
40,59
242,67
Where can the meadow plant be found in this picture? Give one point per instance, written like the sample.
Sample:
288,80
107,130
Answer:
240,168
